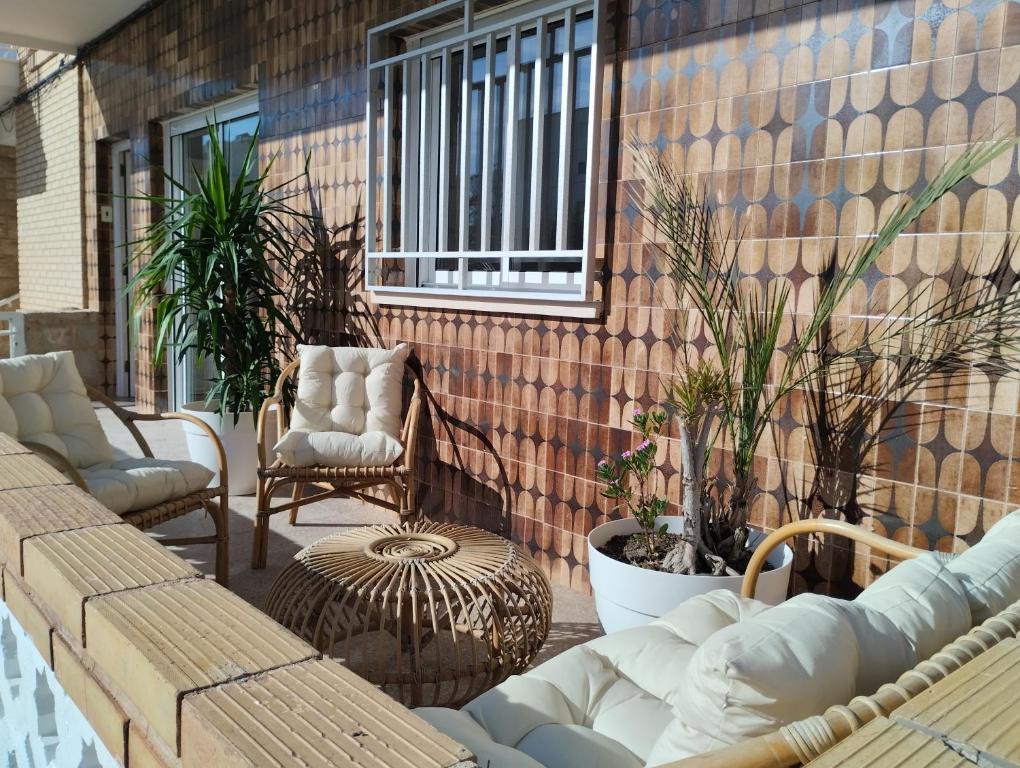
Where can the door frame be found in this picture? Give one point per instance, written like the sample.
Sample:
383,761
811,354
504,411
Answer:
126,351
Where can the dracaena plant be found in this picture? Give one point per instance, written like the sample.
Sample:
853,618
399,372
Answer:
629,481
729,386
217,265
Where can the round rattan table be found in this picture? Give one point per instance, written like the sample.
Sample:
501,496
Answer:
433,613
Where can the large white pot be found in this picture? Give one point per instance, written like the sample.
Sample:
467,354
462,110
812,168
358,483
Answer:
238,443
627,596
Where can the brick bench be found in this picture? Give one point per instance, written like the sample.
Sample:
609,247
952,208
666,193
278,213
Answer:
171,669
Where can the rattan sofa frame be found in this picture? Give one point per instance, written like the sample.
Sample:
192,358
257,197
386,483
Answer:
803,741
332,482
213,500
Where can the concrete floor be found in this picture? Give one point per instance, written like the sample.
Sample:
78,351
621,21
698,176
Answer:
574,619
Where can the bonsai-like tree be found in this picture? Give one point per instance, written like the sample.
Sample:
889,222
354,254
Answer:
728,391
217,264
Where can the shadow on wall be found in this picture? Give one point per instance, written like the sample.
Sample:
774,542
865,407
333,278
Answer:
327,303
452,491
865,417
30,141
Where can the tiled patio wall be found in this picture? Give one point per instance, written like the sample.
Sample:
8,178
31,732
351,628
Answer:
805,117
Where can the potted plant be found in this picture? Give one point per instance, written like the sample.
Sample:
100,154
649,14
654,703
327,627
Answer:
724,401
216,265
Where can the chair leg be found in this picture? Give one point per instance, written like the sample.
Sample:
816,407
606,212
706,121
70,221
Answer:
296,493
222,521
409,502
260,536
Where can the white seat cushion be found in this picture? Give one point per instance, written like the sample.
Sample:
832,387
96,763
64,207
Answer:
43,400
338,449
347,409
127,485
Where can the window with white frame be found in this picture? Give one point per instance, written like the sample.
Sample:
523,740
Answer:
482,135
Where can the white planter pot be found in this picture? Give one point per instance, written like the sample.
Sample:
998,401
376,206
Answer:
627,596
238,443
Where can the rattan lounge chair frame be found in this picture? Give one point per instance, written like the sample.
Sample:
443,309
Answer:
332,482
803,741
213,500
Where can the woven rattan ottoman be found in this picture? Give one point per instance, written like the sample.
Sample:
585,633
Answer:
433,613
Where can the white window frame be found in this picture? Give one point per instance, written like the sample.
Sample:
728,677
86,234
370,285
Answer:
568,294
181,375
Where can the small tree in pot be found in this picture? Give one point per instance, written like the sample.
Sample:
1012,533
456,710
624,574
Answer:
217,265
728,391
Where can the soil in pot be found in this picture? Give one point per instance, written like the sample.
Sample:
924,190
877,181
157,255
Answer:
632,549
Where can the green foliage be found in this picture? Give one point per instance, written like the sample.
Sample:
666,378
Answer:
217,264
628,480
742,315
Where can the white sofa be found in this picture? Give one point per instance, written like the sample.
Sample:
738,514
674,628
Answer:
721,669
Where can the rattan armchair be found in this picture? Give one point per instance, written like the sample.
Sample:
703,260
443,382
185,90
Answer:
212,499
274,474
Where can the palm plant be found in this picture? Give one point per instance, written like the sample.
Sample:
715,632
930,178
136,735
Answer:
217,265
748,368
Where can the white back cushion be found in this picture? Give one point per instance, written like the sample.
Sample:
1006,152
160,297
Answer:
924,600
43,400
990,570
349,389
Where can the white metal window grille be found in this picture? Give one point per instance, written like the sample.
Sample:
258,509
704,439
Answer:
482,138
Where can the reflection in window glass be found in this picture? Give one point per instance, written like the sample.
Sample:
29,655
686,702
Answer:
556,42
498,158
525,115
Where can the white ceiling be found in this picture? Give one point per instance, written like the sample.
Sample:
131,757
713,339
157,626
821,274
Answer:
59,25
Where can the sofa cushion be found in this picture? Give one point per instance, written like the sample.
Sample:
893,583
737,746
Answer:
43,399
127,485
924,600
338,449
990,570
784,664
461,727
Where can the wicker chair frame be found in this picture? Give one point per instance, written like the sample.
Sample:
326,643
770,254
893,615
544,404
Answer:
803,741
213,500
331,482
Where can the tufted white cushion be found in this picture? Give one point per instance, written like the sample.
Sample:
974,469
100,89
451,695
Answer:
43,400
347,409
127,485
720,669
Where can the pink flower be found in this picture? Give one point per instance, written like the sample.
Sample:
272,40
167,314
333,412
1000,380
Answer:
604,462
626,454
637,411
644,444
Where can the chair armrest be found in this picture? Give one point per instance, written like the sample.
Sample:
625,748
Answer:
409,434
820,525
274,399
58,460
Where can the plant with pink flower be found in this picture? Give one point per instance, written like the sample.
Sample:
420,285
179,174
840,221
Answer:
629,479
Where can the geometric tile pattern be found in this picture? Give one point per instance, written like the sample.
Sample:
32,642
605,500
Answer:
804,119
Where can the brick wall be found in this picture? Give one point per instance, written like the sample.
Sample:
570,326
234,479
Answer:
51,274
805,116
8,222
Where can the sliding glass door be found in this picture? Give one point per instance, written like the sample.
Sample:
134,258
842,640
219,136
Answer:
189,157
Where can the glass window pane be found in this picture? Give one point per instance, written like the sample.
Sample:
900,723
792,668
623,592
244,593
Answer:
525,111
578,165
194,157
237,135
556,41
456,96
498,158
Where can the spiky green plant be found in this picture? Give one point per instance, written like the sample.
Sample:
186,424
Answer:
742,317
216,265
